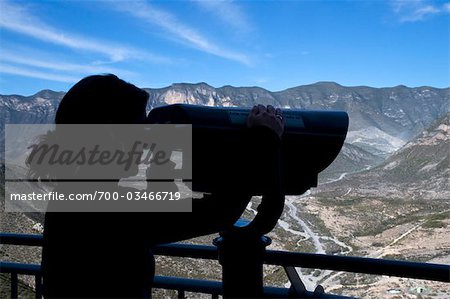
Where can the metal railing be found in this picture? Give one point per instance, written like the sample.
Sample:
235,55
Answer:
288,260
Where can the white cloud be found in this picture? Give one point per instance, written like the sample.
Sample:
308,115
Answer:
41,62
446,7
17,19
417,10
228,12
180,31
261,80
14,70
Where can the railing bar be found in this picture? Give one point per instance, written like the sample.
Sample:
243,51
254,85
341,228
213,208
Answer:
307,260
14,286
18,268
215,288
426,271
21,239
187,250
38,282
175,283
188,284
416,270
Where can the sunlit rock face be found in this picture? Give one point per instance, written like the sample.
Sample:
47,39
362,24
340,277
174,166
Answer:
382,120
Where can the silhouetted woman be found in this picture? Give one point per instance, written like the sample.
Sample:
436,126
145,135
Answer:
107,255
92,254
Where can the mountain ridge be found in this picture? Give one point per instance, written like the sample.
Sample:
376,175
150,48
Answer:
318,83
381,119
421,168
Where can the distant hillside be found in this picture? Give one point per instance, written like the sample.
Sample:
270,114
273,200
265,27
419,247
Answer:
425,158
381,119
391,115
420,168
351,159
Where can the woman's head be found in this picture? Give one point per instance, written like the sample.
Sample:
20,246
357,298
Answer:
99,99
102,99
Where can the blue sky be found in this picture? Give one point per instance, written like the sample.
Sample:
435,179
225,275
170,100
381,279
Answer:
272,44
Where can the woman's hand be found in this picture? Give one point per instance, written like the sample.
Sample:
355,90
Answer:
267,117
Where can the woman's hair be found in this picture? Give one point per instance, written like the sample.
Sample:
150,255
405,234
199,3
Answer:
98,99
102,99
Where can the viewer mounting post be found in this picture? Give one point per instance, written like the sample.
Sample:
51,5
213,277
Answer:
242,257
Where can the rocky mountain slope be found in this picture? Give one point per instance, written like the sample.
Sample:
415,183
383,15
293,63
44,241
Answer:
419,169
381,119
351,159
36,109
389,116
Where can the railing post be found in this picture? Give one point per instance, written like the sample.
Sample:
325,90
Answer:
241,257
38,282
14,285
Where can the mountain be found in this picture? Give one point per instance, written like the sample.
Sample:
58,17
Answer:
425,159
419,169
351,159
381,119
35,109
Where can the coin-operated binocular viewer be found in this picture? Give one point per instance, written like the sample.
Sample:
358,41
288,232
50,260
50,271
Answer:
225,156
